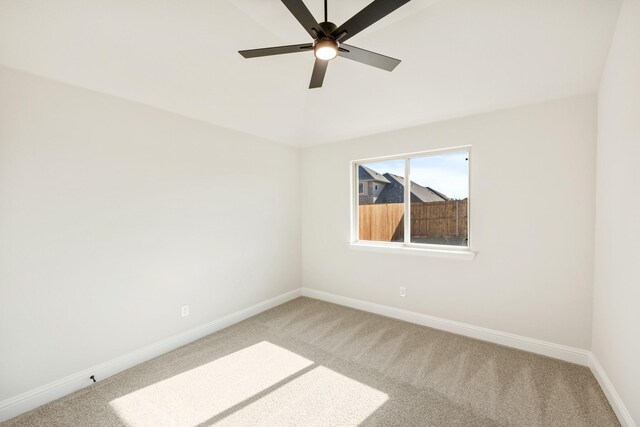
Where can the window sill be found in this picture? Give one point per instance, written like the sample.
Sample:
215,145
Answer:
464,254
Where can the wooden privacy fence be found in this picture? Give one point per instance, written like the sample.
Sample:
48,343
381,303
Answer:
384,222
380,222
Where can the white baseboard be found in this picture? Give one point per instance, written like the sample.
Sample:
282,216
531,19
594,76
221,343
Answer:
569,354
624,416
31,399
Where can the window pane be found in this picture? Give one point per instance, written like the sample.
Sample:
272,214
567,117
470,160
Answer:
439,199
381,201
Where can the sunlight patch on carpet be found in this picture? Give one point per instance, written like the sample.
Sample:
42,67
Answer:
320,397
199,394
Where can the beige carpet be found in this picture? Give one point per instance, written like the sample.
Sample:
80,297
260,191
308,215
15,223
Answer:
311,363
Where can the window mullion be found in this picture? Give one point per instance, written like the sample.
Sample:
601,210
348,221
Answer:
355,201
407,202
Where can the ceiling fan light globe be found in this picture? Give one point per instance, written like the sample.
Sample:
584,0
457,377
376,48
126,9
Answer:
326,49
326,53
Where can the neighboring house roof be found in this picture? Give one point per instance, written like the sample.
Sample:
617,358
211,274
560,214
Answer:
394,192
366,174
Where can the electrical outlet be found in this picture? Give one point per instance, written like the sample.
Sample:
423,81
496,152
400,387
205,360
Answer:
185,310
403,292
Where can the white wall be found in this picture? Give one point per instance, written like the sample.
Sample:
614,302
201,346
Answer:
532,202
616,317
114,214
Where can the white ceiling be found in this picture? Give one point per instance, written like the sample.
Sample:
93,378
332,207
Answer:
458,57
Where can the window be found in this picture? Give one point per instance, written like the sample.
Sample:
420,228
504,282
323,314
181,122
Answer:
426,194
361,188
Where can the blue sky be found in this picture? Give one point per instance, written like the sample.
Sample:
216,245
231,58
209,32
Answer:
446,173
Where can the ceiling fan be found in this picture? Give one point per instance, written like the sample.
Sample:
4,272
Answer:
328,39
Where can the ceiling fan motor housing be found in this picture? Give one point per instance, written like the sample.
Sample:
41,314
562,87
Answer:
326,46
328,27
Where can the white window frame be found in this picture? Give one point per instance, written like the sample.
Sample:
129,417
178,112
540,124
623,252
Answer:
407,247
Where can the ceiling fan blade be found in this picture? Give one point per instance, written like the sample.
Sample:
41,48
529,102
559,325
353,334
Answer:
367,57
277,50
317,76
375,11
304,17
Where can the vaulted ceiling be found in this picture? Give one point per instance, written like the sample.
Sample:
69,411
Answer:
459,57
